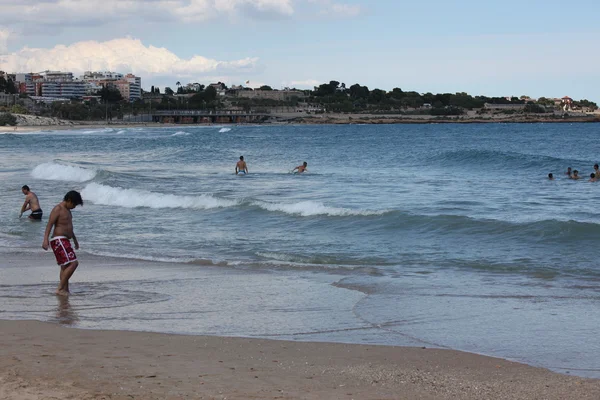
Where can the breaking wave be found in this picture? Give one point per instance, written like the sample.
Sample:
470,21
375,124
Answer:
133,198
60,172
312,208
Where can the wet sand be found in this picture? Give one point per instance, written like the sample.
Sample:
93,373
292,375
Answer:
45,361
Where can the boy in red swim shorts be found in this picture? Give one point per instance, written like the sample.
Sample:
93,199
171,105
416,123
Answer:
62,221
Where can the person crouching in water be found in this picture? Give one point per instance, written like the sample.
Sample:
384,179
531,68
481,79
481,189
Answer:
62,221
31,203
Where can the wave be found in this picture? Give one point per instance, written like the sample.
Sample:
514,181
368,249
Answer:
181,133
313,208
133,198
541,230
223,130
60,172
504,159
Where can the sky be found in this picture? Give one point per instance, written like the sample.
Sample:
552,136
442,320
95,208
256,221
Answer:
500,48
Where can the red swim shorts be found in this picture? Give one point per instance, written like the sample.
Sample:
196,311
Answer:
61,246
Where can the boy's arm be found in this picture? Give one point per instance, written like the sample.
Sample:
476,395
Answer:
51,221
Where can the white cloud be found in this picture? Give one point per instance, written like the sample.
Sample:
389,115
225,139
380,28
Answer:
122,55
85,12
308,83
4,34
334,9
345,10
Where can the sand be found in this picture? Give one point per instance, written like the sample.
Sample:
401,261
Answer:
46,361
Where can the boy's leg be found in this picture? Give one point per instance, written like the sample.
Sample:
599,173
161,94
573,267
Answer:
66,271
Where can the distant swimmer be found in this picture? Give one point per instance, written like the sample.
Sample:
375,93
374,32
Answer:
301,168
568,173
31,203
550,176
593,177
62,221
241,166
596,171
575,175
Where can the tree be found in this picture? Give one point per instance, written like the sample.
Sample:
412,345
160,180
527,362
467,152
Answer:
110,95
265,87
359,92
534,108
210,94
169,91
10,87
152,89
7,119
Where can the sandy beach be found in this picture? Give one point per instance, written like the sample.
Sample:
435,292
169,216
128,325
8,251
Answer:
45,361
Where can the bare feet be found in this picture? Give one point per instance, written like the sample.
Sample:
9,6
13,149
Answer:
62,293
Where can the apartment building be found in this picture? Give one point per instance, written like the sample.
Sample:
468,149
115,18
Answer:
129,85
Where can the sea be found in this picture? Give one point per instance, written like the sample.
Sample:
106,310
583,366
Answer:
436,235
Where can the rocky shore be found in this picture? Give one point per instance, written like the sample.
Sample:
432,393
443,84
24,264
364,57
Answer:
31,121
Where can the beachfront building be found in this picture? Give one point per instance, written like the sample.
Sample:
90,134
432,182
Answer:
52,84
130,86
566,103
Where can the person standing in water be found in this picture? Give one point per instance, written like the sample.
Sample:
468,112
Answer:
31,203
301,168
62,221
241,166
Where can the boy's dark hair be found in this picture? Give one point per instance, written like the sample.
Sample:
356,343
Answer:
26,187
550,175
592,175
242,158
595,166
74,197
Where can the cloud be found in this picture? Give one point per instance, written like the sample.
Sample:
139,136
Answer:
86,12
4,34
308,83
333,9
121,55
345,10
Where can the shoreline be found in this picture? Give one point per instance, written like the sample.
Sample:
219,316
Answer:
40,360
325,119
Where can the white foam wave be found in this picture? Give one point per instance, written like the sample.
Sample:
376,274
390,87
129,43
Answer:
311,208
133,198
60,172
223,130
181,133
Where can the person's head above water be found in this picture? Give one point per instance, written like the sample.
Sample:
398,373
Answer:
550,176
241,158
25,189
596,166
305,163
73,199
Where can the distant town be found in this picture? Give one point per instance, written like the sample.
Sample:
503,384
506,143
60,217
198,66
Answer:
112,96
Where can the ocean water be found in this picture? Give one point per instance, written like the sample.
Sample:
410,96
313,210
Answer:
426,235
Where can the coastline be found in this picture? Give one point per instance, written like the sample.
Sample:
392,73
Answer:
40,360
43,123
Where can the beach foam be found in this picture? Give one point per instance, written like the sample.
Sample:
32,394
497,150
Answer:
223,130
312,208
181,133
60,172
133,198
